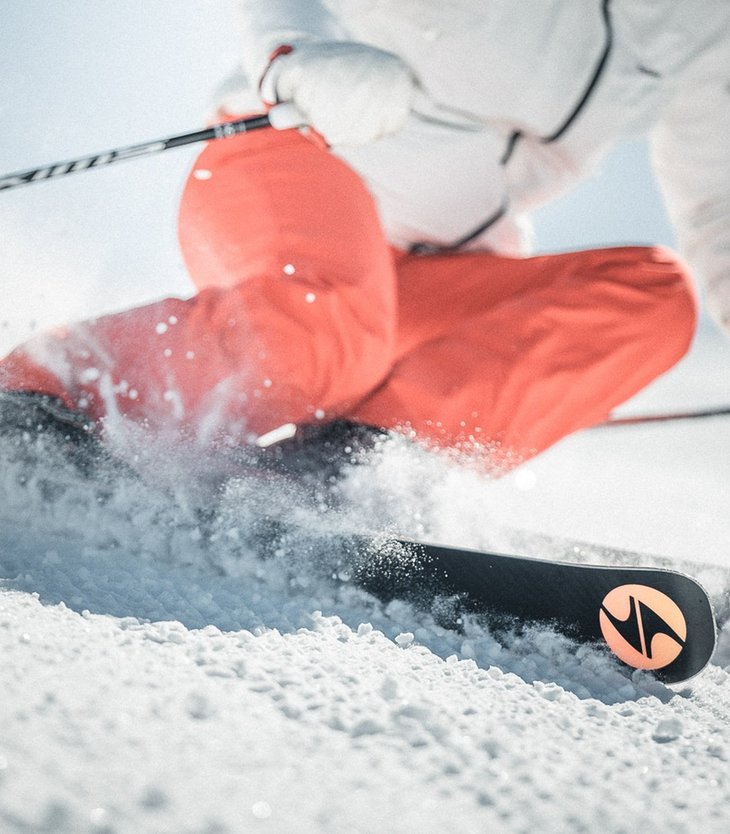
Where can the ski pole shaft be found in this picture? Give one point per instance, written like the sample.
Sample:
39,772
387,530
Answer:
666,417
281,117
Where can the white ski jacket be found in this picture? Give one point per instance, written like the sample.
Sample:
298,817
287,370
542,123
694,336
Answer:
522,99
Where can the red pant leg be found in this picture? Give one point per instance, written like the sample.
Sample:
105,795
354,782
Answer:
296,313
515,354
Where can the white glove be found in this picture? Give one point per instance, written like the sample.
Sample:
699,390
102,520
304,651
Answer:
351,93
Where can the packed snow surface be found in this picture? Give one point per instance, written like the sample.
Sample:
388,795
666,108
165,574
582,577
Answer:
159,676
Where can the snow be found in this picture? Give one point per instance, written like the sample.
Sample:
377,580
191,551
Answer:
158,677
331,729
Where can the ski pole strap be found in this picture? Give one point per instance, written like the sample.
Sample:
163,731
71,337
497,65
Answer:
282,117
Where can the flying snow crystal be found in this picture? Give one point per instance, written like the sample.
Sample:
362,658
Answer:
261,810
89,375
310,298
160,328
289,269
202,174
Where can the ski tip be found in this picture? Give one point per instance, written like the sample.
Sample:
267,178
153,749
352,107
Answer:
670,632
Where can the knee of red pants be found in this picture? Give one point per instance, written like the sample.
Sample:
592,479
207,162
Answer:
292,234
669,310
277,203
610,322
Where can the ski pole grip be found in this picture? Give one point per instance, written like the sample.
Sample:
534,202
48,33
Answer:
285,116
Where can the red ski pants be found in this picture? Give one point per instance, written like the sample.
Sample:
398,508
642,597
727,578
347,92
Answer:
305,313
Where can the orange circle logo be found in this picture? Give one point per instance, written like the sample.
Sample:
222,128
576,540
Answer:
642,626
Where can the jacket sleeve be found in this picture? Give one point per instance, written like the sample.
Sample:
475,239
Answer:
691,150
267,24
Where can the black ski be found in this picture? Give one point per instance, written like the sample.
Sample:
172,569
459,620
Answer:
650,618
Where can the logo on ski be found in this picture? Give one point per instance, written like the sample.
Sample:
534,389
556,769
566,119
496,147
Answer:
642,626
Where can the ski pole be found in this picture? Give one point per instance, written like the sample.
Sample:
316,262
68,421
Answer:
281,117
665,417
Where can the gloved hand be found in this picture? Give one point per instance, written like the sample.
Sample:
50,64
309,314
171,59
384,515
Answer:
351,93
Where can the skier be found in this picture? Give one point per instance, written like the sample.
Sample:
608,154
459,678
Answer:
375,269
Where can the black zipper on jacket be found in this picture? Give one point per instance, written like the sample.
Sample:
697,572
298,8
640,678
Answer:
432,249
593,82
513,141
597,73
